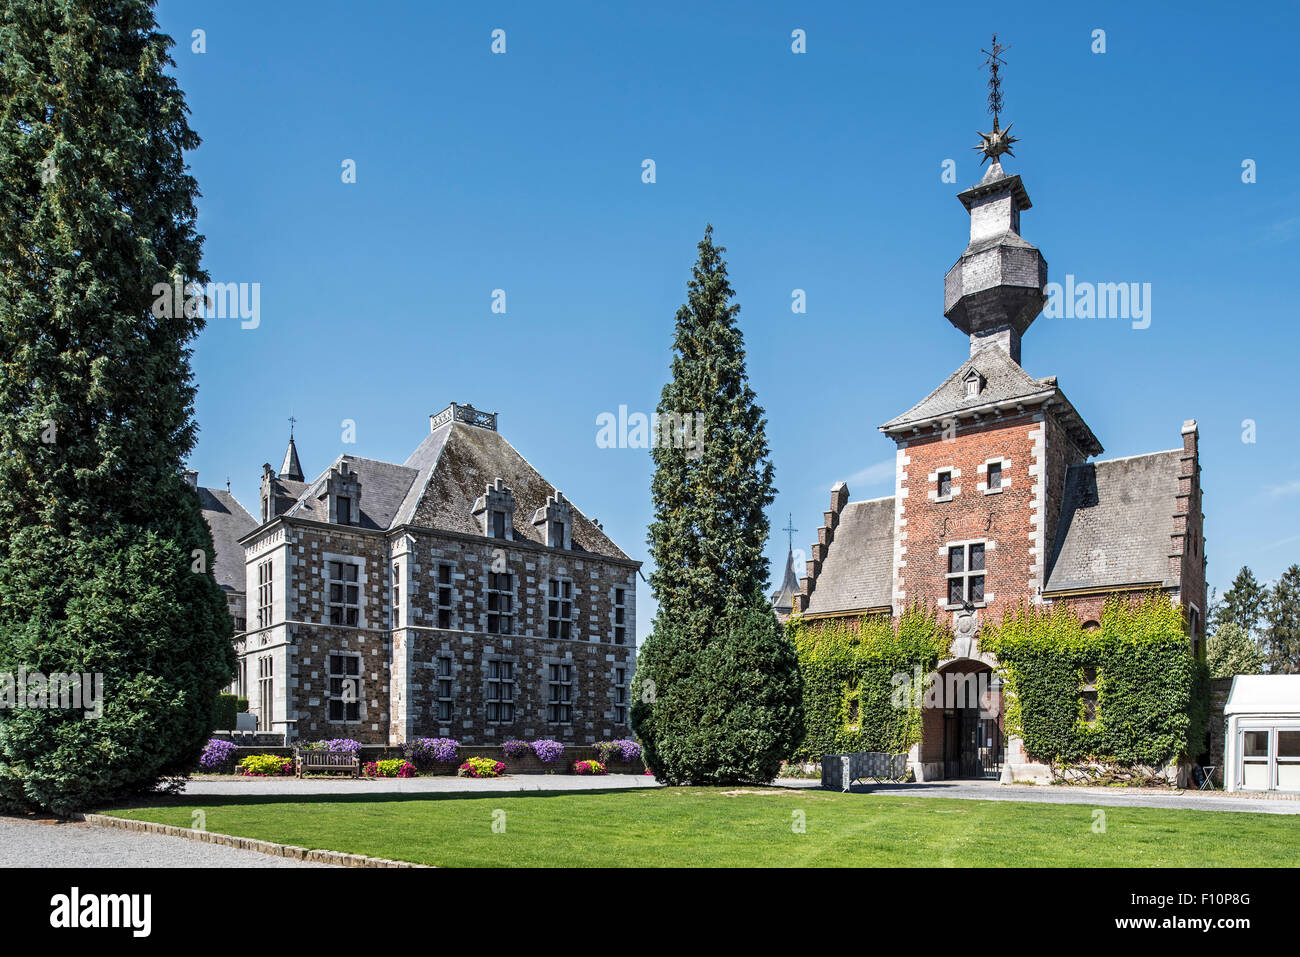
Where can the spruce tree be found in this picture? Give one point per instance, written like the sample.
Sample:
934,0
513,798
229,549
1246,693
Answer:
1282,624
105,560
717,690
1243,604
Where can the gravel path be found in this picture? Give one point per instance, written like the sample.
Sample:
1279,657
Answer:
26,842
1059,794
440,784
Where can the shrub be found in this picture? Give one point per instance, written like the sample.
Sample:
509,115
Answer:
218,756
265,766
589,767
724,711
224,717
389,768
515,749
241,705
481,768
624,749
333,745
548,751
426,753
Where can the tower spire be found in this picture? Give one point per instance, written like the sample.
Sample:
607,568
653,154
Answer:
291,468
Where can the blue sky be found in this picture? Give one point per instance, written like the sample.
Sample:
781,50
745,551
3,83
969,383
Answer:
819,171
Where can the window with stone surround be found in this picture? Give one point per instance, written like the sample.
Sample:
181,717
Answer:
966,573
397,594
265,691
446,697
500,603
620,695
444,595
344,593
265,594
995,477
344,686
343,510
559,608
559,703
620,616
944,486
500,692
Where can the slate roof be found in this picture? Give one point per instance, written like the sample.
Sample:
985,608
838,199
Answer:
783,597
1116,522
291,467
1005,384
439,483
858,571
229,522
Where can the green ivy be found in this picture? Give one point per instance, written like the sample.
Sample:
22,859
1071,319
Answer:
1151,701
857,661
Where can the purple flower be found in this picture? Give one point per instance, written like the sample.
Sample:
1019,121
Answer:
218,755
514,749
425,752
547,750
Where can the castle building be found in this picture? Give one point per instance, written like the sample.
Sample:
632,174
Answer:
999,499
228,521
457,594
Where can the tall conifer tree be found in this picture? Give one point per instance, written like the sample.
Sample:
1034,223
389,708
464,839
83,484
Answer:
717,690
1282,624
105,560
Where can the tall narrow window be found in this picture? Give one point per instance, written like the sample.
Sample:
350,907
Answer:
559,609
343,510
966,573
397,594
444,596
500,603
1088,695
995,476
344,687
265,595
620,695
620,616
501,692
446,700
265,691
344,594
945,485
498,524
559,704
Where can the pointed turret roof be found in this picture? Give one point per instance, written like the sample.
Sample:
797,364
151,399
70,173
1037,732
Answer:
783,598
292,468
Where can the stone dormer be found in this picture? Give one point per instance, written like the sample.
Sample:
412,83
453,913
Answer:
342,493
554,521
495,511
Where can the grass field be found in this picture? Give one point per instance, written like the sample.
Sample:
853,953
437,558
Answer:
741,827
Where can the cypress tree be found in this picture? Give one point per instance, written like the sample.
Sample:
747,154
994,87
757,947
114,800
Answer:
717,690
1282,624
105,560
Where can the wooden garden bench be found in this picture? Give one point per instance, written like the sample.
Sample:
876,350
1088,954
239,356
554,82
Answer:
328,761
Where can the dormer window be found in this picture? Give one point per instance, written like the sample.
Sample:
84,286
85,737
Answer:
495,511
974,384
554,521
343,509
342,495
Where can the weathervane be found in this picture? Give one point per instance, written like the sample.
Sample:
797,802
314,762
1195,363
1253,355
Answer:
999,141
789,528
292,422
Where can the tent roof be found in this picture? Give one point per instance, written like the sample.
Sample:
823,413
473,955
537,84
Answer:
1264,694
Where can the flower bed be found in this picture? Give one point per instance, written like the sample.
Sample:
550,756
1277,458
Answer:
624,749
516,749
431,754
548,751
389,768
218,756
481,768
333,745
589,767
265,766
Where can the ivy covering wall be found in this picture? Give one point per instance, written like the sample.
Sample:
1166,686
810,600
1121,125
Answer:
851,690
1150,690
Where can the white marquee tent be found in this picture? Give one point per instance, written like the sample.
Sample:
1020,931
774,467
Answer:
1262,725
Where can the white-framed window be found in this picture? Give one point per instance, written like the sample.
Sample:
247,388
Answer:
500,692
500,603
265,594
620,616
994,476
966,573
559,698
344,686
943,485
620,694
559,608
446,704
265,691
397,594
344,593
445,599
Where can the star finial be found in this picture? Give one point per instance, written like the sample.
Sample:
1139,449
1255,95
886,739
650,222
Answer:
997,142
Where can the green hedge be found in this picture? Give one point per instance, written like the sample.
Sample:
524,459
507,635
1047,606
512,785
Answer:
1151,701
225,712
856,662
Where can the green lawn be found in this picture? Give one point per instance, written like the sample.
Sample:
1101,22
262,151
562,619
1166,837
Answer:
715,827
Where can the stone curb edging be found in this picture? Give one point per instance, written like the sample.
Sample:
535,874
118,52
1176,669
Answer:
317,856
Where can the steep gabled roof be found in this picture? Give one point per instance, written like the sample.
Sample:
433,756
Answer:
858,570
1116,521
383,486
1004,385
229,522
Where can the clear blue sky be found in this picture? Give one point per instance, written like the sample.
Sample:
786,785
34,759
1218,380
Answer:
819,171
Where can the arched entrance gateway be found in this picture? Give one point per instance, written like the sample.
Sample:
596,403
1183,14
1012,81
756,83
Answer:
962,714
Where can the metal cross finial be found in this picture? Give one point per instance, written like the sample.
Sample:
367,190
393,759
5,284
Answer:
292,420
790,529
